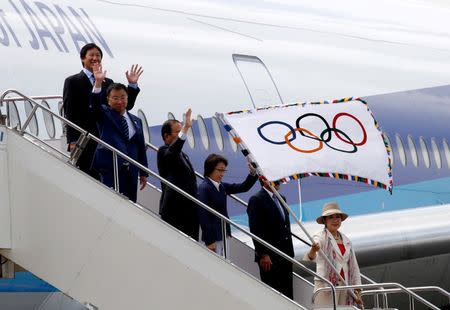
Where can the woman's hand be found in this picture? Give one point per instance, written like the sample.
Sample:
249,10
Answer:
358,299
313,252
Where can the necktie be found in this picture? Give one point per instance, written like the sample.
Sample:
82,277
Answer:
277,203
92,79
221,187
124,124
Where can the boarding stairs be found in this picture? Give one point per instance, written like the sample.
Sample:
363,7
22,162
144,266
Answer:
84,238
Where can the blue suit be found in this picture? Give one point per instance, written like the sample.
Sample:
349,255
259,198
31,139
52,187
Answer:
266,222
76,98
111,132
209,195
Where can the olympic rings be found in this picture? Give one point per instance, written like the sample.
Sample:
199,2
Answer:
363,141
325,135
276,122
336,132
297,123
288,142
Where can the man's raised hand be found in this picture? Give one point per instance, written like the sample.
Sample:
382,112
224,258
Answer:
133,74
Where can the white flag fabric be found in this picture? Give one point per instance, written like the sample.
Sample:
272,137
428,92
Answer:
338,139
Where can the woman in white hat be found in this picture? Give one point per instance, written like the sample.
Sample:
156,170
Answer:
338,248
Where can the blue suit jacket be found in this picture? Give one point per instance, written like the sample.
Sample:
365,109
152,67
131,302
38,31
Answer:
208,194
110,131
266,222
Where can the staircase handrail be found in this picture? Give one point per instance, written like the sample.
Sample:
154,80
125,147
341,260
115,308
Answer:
233,196
25,98
245,205
400,287
88,136
414,289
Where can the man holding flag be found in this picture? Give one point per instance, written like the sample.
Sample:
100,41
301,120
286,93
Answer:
270,221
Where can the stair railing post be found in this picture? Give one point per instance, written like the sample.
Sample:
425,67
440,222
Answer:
30,117
79,148
116,172
411,302
224,238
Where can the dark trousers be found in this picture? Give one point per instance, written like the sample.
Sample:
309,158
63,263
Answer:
279,277
184,217
127,181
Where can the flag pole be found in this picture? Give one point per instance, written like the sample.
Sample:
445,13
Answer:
292,213
300,202
250,158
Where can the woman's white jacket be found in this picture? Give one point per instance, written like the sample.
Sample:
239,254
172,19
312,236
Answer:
339,261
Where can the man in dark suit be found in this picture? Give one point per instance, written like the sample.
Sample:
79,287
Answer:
213,192
76,92
175,166
270,221
123,131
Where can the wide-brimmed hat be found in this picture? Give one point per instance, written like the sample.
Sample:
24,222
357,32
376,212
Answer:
331,208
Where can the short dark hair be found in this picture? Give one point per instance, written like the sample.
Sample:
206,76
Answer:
88,47
166,127
211,162
116,86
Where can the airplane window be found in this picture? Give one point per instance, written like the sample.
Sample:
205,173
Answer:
33,125
413,151
401,149
425,154
13,114
232,143
190,134
48,120
446,151
203,131
145,128
170,115
437,155
386,138
217,133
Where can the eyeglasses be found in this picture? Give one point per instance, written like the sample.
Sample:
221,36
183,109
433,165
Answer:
221,170
122,98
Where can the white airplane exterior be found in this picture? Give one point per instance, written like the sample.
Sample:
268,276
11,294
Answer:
219,56
314,52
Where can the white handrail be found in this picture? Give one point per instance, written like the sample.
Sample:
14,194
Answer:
400,287
89,136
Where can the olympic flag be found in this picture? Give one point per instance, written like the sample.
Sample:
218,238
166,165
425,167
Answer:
338,139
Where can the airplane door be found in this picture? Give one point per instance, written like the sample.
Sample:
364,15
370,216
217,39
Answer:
257,80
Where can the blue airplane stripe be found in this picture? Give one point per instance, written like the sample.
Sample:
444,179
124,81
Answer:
404,197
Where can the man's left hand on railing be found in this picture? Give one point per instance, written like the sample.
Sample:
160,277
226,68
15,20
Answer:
142,182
